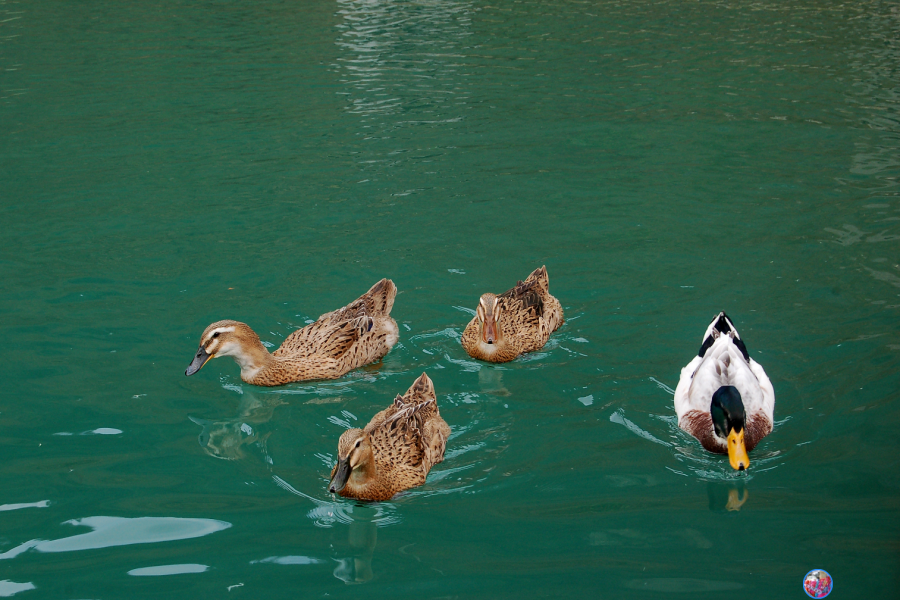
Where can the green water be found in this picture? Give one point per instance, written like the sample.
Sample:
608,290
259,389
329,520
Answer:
165,165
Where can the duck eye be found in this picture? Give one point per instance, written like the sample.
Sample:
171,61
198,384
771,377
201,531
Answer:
216,334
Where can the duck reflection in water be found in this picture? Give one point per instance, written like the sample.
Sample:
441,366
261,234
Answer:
491,382
727,495
227,438
361,536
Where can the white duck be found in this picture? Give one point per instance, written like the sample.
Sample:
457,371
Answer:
724,398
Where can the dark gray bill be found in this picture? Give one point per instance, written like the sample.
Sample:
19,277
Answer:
198,361
341,475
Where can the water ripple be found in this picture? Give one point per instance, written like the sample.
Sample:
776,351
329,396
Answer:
326,514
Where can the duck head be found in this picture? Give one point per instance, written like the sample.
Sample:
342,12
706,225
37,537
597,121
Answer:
728,417
354,455
488,312
228,338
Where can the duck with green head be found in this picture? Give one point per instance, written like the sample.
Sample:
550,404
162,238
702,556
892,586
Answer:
724,398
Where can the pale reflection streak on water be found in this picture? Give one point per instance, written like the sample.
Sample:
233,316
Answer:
164,570
119,531
872,93
402,71
11,588
402,56
41,504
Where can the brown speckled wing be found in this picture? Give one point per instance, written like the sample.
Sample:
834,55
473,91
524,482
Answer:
299,343
397,444
398,431
340,339
524,296
553,313
351,311
522,319
376,302
436,433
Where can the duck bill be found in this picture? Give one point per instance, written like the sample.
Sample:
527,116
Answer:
198,362
489,331
737,451
341,475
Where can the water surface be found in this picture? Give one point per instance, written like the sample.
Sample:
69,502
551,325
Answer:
166,165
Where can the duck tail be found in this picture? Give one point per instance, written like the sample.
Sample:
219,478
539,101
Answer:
422,388
380,297
540,276
722,325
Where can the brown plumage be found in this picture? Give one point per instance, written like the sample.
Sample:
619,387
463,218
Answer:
340,341
699,424
396,449
517,321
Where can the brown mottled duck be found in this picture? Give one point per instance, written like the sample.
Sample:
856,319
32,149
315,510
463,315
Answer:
517,321
395,451
358,334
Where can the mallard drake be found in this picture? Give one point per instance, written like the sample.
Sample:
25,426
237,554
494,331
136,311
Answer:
355,335
396,449
724,398
517,321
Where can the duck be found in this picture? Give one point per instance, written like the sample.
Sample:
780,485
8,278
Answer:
395,451
360,333
517,321
724,398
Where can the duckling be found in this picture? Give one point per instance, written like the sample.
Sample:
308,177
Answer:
517,321
724,398
358,334
396,449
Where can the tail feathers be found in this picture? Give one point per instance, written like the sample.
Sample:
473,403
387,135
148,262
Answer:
540,276
722,325
380,297
423,387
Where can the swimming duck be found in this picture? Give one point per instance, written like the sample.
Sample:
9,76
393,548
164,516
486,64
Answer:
396,449
724,398
342,340
517,321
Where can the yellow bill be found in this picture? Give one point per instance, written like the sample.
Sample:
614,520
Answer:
737,452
